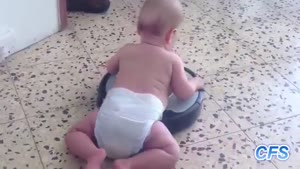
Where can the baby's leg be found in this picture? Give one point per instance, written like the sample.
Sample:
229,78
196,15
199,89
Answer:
79,142
161,151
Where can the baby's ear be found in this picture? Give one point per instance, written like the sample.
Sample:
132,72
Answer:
169,36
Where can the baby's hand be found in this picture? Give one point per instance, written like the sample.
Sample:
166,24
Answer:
199,83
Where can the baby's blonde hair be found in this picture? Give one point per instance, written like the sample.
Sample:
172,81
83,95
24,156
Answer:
157,17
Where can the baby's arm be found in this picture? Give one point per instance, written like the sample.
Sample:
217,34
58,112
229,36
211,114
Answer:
112,65
180,85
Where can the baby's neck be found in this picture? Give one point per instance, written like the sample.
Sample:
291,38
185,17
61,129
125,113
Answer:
153,40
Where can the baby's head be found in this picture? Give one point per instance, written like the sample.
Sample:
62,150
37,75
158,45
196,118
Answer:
160,18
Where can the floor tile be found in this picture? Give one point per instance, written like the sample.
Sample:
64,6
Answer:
99,33
118,14
135,6
282,4
3,69
289,68
289,8
238,15
49,130
258,26
107,31
195,20
66,83
103,56
10,107
211,123
17,149
58,46
254,96
281,132
213,51
97,40
230,151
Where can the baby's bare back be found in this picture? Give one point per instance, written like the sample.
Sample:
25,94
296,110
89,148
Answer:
144,68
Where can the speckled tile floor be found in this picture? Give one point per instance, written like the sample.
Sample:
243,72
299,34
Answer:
248,52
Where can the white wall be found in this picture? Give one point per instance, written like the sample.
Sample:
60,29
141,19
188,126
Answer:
30,20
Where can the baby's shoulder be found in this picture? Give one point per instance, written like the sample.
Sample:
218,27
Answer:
129,48
172,57
126,47
124,51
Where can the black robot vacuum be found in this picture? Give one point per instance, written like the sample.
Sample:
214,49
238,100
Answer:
88,6
178,114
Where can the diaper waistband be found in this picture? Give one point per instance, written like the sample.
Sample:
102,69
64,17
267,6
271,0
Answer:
139,105
147,97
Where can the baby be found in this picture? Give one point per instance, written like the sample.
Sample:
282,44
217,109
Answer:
127,126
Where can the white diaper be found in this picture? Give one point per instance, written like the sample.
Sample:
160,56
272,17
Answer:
125,120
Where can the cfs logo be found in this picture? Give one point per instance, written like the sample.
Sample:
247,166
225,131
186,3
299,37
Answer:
266,152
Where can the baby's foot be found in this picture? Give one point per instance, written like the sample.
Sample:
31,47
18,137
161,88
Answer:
121,164
95,161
